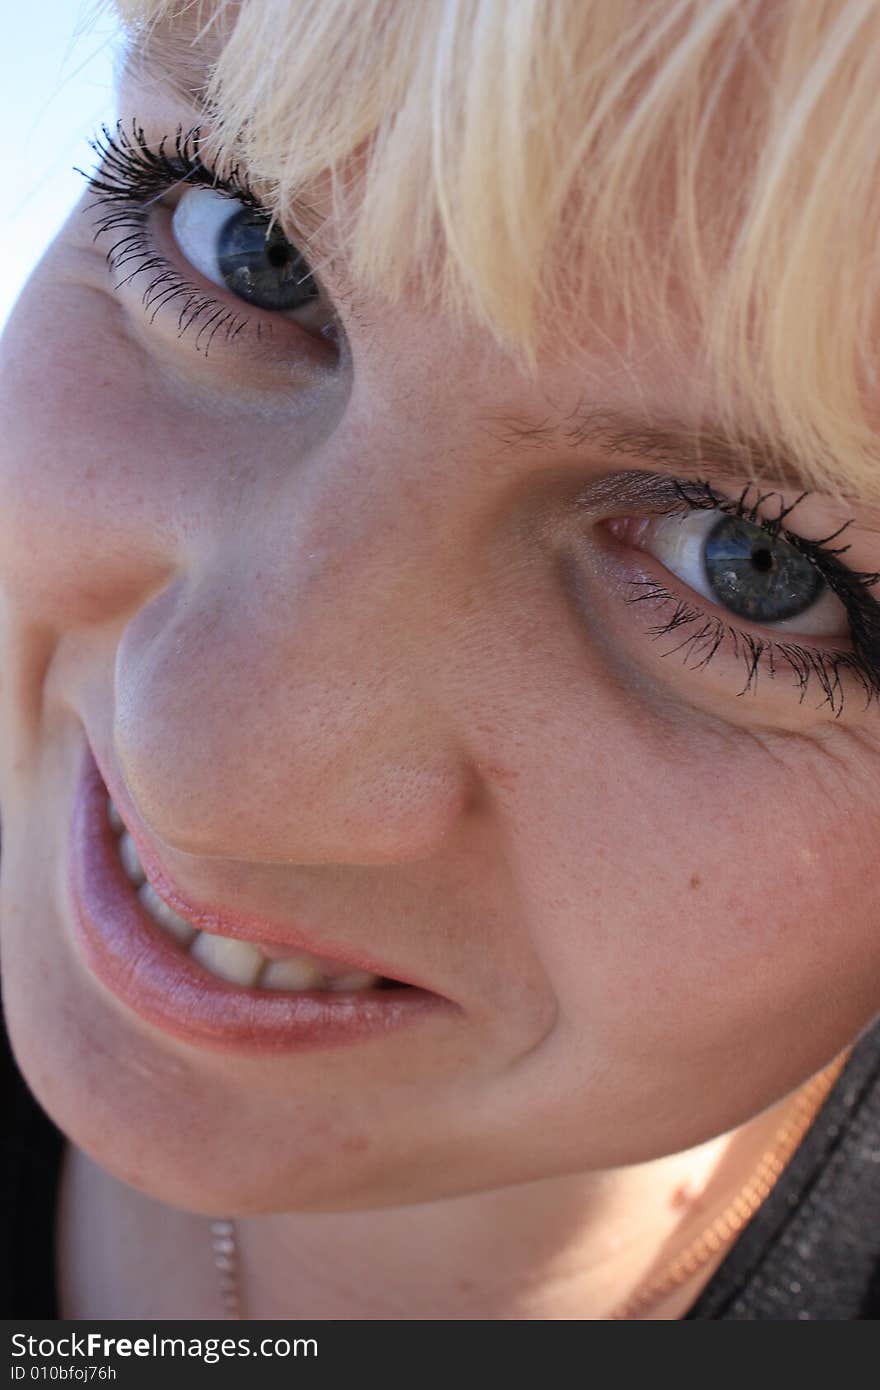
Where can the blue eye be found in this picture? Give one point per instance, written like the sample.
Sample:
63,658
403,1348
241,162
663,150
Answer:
232,246
757,576
748,572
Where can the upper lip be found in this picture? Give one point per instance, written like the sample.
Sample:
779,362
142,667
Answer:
247,926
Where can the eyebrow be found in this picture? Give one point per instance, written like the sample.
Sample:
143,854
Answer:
670,442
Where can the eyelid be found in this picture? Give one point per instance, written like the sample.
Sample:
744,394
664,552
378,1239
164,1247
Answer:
666,495
267,322
679,540
817,518
704,633
135,173
133,187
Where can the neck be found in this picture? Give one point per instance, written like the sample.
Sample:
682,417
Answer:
567,1248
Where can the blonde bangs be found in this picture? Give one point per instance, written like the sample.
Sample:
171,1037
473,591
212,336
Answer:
684,167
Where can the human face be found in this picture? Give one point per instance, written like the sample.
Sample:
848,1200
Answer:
356,659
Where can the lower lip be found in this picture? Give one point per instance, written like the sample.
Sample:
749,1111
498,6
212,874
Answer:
147,971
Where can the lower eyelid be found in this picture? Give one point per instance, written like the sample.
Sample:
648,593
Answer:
827,621
306,319
279,339
779,636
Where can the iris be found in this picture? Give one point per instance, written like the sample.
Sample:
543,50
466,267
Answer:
756,575
266,270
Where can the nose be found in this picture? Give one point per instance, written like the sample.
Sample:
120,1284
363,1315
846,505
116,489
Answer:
281,700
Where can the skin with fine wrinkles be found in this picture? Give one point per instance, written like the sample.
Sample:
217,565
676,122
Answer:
368,666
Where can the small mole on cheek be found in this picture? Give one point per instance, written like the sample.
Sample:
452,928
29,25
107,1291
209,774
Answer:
695,880
355,1144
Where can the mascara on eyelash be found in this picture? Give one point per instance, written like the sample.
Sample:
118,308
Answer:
130,168
863,611
132,176
757,653
708,632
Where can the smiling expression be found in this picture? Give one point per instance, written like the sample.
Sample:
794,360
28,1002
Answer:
347,619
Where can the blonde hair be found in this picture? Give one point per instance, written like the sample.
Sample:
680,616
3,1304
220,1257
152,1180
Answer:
713,162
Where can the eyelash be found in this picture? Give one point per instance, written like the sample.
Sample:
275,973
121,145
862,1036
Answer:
131,178
757,653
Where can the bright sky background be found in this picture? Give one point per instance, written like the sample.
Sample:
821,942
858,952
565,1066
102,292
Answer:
56,88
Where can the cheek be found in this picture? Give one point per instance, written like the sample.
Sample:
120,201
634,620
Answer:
711,885
74,483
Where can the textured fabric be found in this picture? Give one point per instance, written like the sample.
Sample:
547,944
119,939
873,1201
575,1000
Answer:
812,1251
30,1160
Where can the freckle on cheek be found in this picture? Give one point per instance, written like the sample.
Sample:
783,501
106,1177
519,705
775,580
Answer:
355,1144
695,880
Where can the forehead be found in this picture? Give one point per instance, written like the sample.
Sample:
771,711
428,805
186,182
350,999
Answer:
171,62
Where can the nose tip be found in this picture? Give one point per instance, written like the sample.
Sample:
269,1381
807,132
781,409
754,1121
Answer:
285,701
276,760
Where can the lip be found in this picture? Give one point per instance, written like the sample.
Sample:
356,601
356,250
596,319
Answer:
151,974
276,938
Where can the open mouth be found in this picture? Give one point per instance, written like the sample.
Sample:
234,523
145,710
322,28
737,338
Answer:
206,987
242,962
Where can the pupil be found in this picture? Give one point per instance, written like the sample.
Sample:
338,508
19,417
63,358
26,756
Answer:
264,270
766,580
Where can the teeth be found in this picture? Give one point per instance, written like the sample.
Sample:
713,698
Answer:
291,974
232,959
227,957
130,862
165,915
356,979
